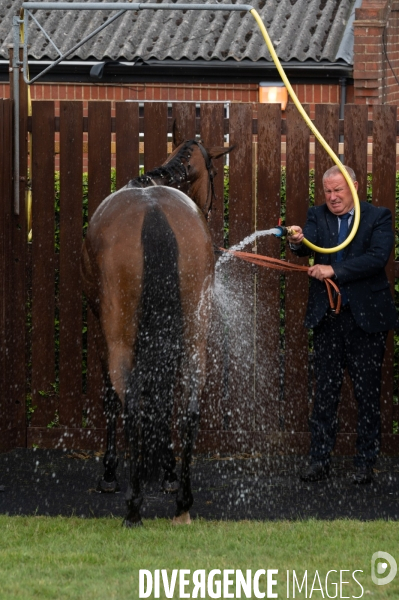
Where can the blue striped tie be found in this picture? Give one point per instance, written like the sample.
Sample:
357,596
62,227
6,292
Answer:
342,235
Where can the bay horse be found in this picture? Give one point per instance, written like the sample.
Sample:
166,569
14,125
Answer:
147,271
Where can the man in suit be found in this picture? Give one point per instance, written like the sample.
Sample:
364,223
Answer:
355,338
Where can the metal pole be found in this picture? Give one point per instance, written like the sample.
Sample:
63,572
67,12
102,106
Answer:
15,70
131,6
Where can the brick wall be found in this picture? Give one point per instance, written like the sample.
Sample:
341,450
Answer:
310,94
144,91
370,21
392,52
376,52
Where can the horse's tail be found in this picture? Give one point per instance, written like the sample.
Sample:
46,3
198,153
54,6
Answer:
159,347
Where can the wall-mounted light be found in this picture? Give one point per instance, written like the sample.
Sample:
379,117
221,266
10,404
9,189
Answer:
273,93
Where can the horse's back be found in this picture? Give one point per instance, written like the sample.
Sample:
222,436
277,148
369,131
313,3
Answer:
114,233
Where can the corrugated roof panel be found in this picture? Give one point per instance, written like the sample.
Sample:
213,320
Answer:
299,30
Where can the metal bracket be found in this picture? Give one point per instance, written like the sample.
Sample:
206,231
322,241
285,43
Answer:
121,7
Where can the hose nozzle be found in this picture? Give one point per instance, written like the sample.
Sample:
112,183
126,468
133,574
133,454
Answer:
282,231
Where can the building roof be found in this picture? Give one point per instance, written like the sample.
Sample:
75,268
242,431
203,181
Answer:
301,30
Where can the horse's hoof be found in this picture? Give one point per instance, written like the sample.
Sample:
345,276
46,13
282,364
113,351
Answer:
170,487
131,524
108,487
183,519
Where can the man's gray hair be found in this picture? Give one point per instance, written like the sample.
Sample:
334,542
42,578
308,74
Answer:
335,170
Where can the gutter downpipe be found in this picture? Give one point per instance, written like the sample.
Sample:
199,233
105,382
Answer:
342,83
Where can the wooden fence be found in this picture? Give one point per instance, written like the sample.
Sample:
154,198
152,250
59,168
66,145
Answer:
258,394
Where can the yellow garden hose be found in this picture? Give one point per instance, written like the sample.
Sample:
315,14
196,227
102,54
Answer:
319,137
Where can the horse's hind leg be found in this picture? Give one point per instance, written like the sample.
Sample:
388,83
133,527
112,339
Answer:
170,483
189,432
112,406
134,496
109,483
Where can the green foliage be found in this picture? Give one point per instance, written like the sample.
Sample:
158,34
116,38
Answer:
55,422
30,408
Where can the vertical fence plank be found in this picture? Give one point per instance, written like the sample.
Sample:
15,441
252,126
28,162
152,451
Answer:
183,114
239,412
70,294
7,400
384,189
99,176
355,139
183,117
267,327
43,264
127,142
212,134
155,134
327,122
295,406
241,221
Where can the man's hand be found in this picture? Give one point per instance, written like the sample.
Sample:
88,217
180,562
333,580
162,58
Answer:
321,272
298,237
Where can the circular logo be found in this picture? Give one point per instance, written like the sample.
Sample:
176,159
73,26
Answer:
379,565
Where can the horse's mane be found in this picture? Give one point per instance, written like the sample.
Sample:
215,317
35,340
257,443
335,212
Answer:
172,172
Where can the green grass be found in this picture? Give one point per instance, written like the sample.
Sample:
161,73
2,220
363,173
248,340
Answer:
60,558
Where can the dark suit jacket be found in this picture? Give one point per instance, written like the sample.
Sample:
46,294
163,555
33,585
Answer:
361,272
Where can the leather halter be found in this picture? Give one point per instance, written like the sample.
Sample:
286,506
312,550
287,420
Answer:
176,179
208,165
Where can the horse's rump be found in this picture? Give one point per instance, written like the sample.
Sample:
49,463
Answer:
151,255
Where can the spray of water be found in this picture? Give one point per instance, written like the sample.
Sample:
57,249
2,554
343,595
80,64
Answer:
250,239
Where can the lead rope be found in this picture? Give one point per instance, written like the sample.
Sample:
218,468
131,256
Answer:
334,294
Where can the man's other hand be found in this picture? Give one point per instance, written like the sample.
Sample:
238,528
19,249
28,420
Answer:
321,272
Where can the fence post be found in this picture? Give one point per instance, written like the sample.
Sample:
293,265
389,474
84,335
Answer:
384,190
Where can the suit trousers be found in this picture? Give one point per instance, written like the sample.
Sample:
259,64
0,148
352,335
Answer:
340,343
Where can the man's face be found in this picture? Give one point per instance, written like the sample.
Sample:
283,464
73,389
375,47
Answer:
338,195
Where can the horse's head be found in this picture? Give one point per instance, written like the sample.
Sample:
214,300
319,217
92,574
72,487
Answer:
195,171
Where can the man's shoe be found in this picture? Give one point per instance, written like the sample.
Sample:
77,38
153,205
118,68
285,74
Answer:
315,472
363,475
